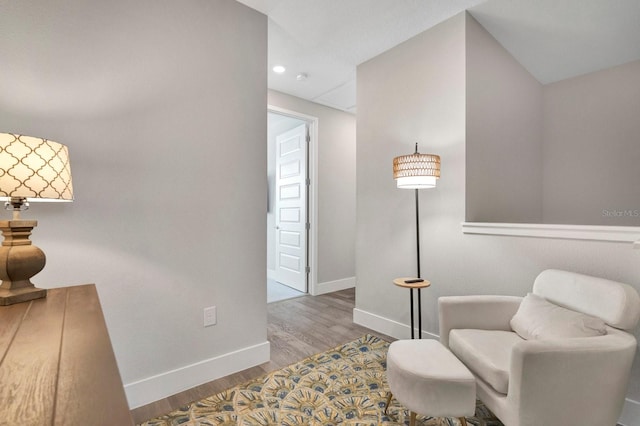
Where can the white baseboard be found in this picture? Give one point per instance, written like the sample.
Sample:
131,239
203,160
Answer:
160,386
630,413
337,285
386,326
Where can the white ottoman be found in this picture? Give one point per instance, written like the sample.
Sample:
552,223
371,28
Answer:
428,379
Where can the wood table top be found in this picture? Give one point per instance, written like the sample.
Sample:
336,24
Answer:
400,282
57,365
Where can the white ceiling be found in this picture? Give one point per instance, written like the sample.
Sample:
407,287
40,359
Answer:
553,39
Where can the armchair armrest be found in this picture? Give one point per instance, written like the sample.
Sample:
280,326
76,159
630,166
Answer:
477,312
554,382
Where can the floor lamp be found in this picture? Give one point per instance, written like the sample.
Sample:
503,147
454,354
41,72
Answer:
416,171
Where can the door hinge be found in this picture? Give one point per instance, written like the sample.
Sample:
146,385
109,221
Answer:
308,182
307,269
307,225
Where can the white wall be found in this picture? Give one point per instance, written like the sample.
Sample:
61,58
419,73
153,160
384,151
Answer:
163,107
564,153
336,189
504,134
591,148
403,97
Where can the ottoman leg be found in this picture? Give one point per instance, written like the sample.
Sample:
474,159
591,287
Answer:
412,420
463,421
386,406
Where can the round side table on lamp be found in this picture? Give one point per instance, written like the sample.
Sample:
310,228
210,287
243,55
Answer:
411,283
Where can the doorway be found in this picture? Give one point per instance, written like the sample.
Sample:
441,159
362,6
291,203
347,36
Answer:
290,212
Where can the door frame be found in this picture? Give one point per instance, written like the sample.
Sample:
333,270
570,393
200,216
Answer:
312,193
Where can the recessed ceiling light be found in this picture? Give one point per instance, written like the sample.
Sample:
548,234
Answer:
279,69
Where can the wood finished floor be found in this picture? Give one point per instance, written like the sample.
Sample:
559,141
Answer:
297,328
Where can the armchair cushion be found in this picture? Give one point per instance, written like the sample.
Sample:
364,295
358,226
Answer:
616,303
487,353
539,319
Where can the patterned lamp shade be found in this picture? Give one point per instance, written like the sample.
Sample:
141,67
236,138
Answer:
34,169
416,171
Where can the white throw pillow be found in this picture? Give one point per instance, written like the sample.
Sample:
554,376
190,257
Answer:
539,319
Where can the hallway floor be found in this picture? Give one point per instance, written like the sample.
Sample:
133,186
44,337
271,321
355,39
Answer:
277,291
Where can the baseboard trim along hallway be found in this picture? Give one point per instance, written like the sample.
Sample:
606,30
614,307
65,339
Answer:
154,388
387,326
337,285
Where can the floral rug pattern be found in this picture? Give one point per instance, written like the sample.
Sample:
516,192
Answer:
344,386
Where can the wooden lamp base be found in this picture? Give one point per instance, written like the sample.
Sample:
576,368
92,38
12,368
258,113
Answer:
19,261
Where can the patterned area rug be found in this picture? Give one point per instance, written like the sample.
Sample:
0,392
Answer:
346,385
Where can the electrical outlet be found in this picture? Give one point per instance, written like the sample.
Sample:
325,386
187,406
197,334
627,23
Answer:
210,316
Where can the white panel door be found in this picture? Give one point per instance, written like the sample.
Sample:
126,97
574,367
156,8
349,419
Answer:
291,208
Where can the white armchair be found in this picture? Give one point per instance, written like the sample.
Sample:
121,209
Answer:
546,373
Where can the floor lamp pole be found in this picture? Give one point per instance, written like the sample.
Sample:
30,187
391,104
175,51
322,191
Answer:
418,233
418,268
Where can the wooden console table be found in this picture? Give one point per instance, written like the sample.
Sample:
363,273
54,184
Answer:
57,365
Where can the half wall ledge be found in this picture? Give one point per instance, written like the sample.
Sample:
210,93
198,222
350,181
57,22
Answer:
630,234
